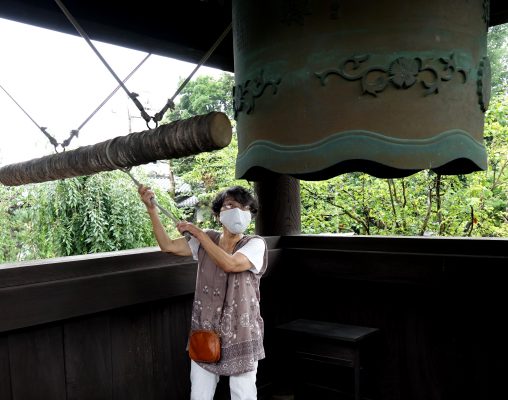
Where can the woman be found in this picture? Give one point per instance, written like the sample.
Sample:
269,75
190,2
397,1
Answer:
226,300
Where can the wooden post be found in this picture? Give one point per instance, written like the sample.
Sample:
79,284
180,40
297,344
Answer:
279,205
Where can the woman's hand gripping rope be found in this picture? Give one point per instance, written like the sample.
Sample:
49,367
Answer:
148,198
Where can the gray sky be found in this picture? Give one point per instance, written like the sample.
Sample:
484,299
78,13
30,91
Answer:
59,81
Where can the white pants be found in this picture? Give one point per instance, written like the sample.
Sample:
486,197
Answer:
203,384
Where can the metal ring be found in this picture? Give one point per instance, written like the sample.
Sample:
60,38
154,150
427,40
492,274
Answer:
148,124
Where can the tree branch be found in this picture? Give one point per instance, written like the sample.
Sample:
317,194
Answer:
438,204
404,193
471,226
429,210
394,211
496,180
349,214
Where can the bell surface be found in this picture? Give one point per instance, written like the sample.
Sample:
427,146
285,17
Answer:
385,87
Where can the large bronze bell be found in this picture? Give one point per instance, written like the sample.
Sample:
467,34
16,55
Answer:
386,87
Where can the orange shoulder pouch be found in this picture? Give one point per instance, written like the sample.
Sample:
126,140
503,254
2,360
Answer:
204,346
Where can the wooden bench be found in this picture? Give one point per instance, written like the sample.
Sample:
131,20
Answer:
326,342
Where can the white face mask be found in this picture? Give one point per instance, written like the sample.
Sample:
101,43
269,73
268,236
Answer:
235,220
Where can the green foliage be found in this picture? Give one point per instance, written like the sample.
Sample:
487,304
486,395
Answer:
497,46
11,201
201,96
82,215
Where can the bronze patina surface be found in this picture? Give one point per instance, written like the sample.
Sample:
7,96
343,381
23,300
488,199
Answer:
385,87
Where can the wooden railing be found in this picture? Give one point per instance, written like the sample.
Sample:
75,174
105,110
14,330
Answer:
115,325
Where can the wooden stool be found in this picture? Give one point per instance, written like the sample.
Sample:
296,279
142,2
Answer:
328,343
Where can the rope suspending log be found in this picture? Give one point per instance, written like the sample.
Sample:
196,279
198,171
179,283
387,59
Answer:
177,139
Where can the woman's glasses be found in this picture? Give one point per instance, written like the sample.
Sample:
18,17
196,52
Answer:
229,205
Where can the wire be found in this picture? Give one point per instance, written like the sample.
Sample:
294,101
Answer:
51,139
75,132
114,91
170,104
132,96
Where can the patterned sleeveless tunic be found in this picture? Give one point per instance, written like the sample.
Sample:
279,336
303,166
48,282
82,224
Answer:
229,304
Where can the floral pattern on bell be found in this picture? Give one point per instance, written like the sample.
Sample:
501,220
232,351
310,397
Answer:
244,95
402,72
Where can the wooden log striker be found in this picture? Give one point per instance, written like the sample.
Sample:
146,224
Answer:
177,139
